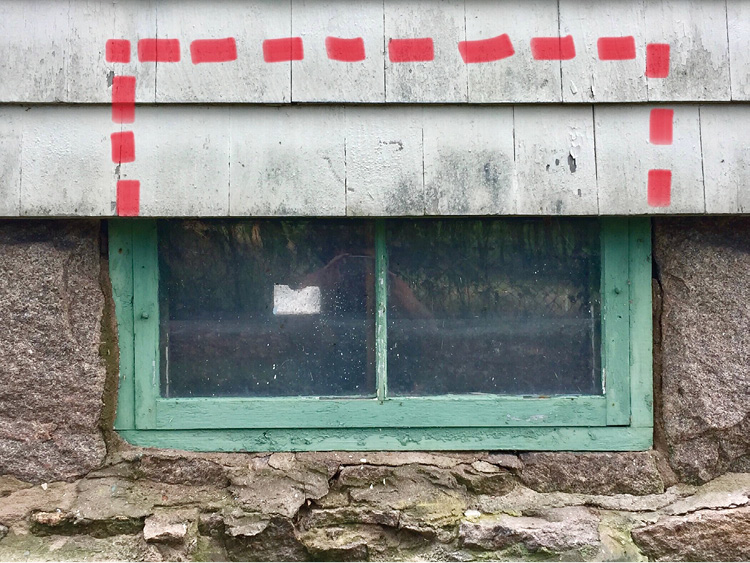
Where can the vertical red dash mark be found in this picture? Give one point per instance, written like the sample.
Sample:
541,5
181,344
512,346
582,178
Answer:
283,50
657,60
345,50
118,51
159,50
661,126
659,188
123,147
616,48
411,50
128,198
553,48
123,99
486,50
213,50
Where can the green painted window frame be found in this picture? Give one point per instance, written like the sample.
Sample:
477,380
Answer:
620,419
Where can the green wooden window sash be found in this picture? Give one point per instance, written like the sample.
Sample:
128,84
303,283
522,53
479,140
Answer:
463,421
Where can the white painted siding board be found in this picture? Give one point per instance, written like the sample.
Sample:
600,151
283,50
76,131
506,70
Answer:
288,161
443,80
320,79
555,160
249,78
625,155
699,53
726,158
468,161
11,142
33,40
66,162
182,160
738,20
88,74
518,78
384,161
588,79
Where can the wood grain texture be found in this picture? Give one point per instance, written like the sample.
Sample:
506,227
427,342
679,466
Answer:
249,78
384,161
726,158
54,51
699,51
443,80
468,161
288,161
11,142
120,234
738,29
66,166
519,77
318,78
625,156
182,160
555,161
586,78
553,439
195,160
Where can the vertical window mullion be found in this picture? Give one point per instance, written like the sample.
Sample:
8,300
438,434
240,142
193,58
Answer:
381,302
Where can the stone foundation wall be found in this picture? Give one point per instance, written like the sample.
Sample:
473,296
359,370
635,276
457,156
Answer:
71,489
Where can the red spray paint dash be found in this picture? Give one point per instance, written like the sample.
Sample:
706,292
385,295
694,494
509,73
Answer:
657,60
159,50
486,50
411,50
616,48
123,147
128,198
118,51
659,188
213,50
661,126
553,48
345,50
283,50
123,99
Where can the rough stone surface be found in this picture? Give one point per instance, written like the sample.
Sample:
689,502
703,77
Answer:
705,535
703,267
633,473
51,375
158,529
557,530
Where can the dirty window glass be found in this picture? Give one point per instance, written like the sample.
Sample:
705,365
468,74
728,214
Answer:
506,306
266,308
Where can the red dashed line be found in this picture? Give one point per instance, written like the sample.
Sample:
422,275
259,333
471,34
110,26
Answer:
661,126
123,147
213,50
128,198
486,50
118,51
123,99
659,188
411,50
345,50
616,48
159,50
283,50
657,60
553,48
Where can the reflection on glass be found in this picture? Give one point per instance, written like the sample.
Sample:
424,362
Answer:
494,306
266,308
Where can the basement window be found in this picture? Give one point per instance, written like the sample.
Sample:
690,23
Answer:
390,334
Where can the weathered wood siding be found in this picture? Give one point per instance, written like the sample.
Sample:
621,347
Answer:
372,107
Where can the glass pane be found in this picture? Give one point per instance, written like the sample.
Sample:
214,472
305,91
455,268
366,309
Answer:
506,306
267,308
